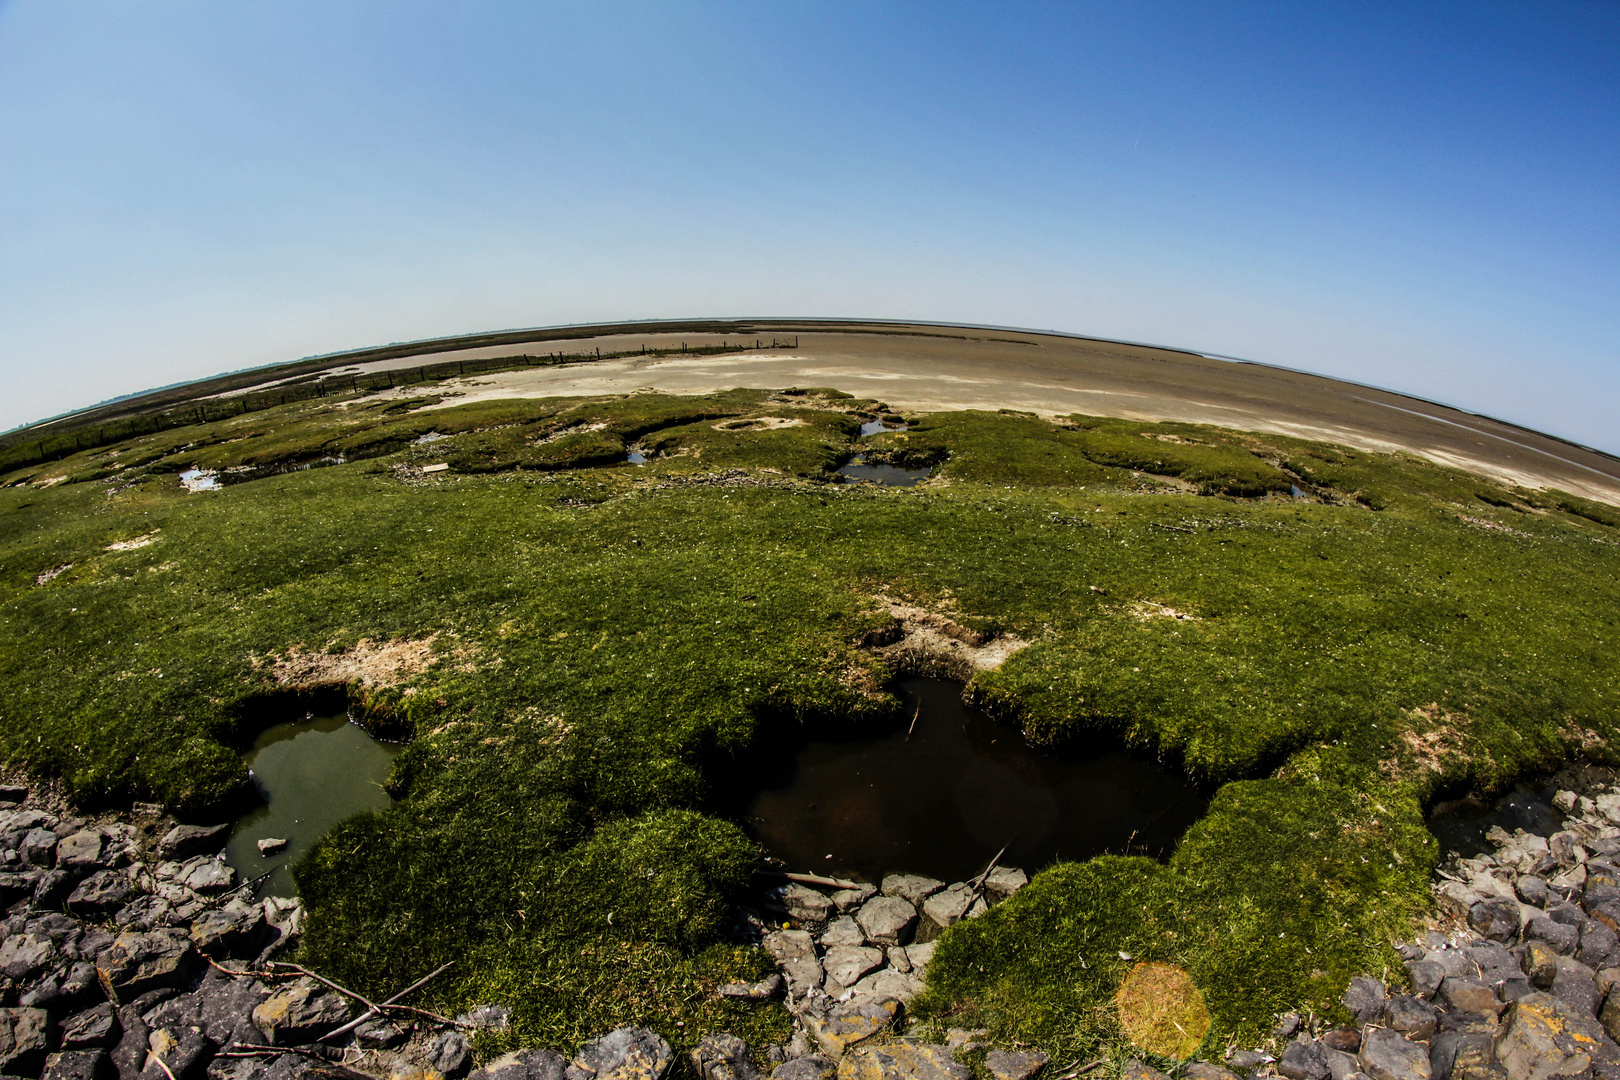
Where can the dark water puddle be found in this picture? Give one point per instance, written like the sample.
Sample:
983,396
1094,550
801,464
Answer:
312,774
1461,824
884,475
944,801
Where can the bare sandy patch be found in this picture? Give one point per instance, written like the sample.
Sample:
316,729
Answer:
135,543
1143,610
926,642
368,663
759,423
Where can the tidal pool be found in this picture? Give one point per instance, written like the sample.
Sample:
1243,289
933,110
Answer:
945,799
312,774
1461,824
857,470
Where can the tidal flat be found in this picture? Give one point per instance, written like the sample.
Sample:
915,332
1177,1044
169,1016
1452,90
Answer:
574,648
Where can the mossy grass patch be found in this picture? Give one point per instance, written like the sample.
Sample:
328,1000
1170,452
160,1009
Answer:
1162,1010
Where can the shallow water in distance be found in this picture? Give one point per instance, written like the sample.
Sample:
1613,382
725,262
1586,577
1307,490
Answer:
312,774
946,800
1461,824
874,427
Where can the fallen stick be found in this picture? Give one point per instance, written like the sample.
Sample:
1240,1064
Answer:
811,879
367,1002
390,1003
978,882
914,716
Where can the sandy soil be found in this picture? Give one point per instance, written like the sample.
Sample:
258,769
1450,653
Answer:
935,368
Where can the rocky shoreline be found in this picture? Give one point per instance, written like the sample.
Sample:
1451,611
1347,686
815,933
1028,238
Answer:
132,951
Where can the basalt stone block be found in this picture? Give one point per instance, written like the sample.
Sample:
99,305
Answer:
912,888
138,962
806,905
1346,1040
1426,976
205,875
53,889
81,853
186,1051
1540,964
94,1028
1542,1037
1560,937
1565,912
1365,999
23,956
1025,1064
948,905
449,1055
902,1061
1135,1069
850,1023
1203,1070
102,893
627,1053
524,1065
1414,1018
24,1039
235,929
887,920
843,930
885,984
1003,881
79,1065
1304,1059
795,953
1388,1055
66,989
723,1057
848,900
845,964
769,988
38,848
1473,1048
130,1052
1466,995
1598,944
1496,919
299,1013
184,841
1532,890
1574,986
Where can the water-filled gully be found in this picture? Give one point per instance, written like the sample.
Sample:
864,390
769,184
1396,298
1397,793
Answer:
943,797
311,774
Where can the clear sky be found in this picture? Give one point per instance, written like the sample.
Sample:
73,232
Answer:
1419,196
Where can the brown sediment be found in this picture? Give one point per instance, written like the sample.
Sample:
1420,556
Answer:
924,642
367,663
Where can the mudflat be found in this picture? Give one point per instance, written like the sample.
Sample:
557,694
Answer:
934,368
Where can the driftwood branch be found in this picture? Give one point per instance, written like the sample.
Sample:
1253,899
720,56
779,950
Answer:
390,1003
978,882
810,879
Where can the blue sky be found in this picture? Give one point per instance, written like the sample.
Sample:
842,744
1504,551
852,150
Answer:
1419,196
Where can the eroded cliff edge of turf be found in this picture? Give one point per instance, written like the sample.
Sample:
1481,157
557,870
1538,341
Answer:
591,639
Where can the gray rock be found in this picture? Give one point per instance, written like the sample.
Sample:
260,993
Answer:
1560,937
1388,1055
1449,1049
24,1035
235,929
1004,881
299,1013
1411,1017
81,853
809,1067
16,886
524,1065
1203,1070
806,905
1574,986
38,848
1247,1059
845,964
902,1061
486,1018
100,894
920,955
1468,996
1135,1069
1532,890
948,905
912,888
1598,944
884,985
1305,1059
766,989
1426,976
1346,1040
848,900
1024,1064
1543,1037
53,889
97,1027
848,1023
1451,961
1496,918
450,1055
23,956
888,920
1565,912
1609,1015
380,1033
723,1057
795,954
79,1065
898,959
184,841
1566,849
843,930
627,1053
64,990
186,1051
205,875
271,844
145,913
1365,999
1540,964
138,962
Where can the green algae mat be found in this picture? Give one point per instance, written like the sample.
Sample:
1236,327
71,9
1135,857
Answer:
577,648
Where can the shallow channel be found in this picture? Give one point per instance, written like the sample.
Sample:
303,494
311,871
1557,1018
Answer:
312,774
943,801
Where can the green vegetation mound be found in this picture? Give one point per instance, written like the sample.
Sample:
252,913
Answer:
575,647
